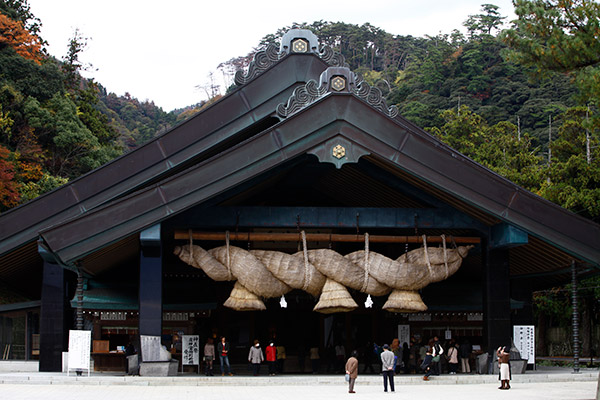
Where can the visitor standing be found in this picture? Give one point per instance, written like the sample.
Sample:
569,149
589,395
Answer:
271,354
504,359
406,358
281,359
352,370
464,352
223,350
209,356
438,350
452,355
255,357
314,359
387,368
340,356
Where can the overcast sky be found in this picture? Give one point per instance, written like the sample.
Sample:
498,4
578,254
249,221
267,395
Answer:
161,50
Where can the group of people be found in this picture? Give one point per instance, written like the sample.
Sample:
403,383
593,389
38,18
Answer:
274,357
430,363
388,361
210,354
417,357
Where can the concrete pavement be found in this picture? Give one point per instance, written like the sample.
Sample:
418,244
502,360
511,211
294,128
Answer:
551,384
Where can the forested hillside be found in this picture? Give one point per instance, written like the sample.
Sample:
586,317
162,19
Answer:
522,101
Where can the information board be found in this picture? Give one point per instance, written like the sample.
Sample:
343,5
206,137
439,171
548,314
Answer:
404,334
524,338
191,350
80,343
152,349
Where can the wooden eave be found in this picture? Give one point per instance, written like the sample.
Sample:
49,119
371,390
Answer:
395,142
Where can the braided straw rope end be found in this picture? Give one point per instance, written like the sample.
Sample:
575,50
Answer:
404,301
335,298
241,299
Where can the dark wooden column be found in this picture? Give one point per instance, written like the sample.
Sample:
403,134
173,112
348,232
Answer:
53,326
496,302
497,328
150,294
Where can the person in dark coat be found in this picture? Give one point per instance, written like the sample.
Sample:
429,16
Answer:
427,364
464,351
352,370
223,352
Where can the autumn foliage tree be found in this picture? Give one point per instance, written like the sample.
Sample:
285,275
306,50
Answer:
13,34
9,194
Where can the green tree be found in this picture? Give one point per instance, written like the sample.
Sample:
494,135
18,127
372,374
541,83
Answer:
573,174
498,147
559,36
486,22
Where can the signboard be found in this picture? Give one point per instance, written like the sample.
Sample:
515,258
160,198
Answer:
447,334
524,339
152,349
191,350
404,334
80,343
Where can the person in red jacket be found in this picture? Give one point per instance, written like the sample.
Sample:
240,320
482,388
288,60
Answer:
272,358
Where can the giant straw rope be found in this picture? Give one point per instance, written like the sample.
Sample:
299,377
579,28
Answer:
325,273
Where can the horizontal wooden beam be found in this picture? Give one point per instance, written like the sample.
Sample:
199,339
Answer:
318,237
222,218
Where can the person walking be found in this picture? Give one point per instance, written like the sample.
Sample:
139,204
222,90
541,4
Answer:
427,363
209,356
352,370
255,357
271,353
387,368
223,351
503,360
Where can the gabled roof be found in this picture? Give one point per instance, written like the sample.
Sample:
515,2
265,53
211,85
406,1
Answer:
329,120
231,119
238,139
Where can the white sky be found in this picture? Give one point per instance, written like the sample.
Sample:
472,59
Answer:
161,50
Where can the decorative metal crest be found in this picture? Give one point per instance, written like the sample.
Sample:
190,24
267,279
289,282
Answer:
312,91
262,60
272,54
374,97
301,97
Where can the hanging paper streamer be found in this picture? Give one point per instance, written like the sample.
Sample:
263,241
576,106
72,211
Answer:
369,302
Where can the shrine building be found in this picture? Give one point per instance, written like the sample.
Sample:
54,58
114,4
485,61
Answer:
299,208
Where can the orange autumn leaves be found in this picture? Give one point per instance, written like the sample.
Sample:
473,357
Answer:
14,34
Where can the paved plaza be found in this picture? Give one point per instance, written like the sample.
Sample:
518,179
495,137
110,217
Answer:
294,387
526,391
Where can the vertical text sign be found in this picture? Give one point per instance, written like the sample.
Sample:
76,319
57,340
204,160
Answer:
191,350
524,338
79,349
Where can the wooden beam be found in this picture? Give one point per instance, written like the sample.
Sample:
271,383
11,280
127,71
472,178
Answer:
318,237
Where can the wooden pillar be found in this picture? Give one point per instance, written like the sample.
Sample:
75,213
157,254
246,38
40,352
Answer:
150,291
53,325
496,302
